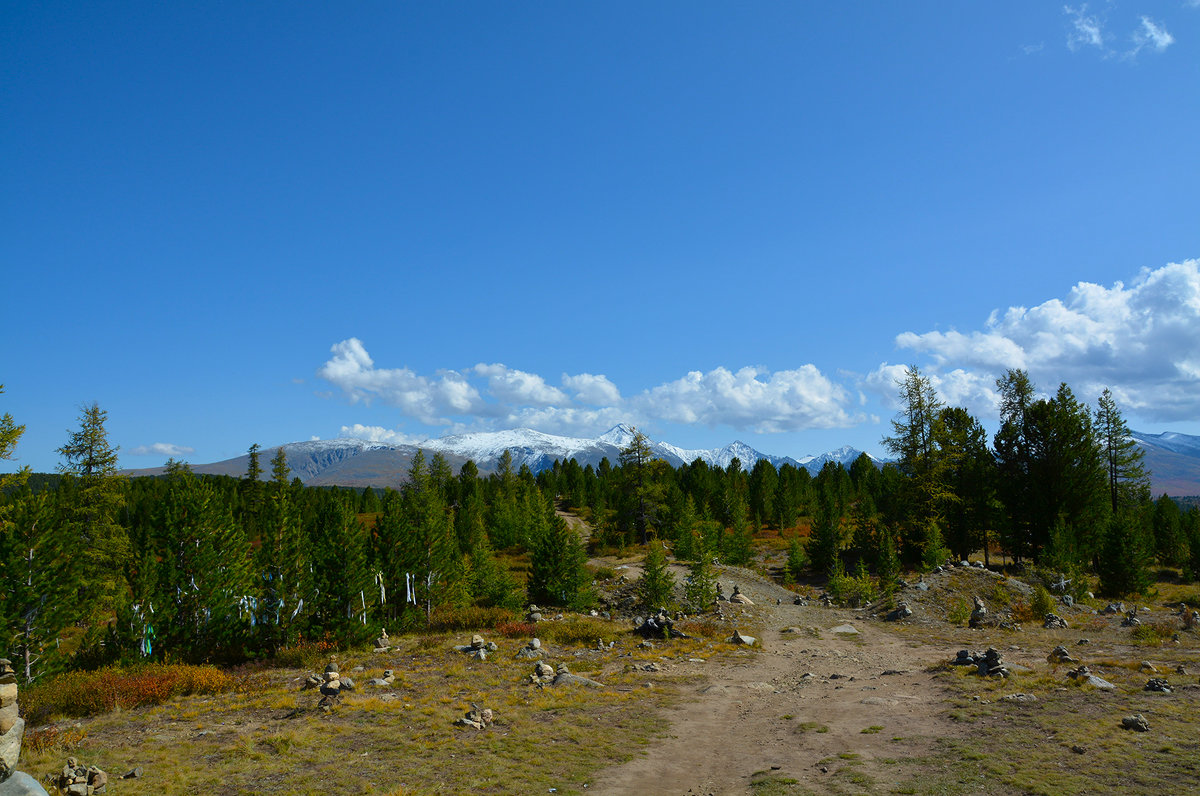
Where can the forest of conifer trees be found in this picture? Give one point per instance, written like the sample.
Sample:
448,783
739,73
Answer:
99,568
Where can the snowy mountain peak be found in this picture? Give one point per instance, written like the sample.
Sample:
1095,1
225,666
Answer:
619,435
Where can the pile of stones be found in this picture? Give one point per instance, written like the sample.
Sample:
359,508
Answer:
1054,622
383,643
12,726
1060,655
77,780
330,684
1113,608
531,651
739,598
902,612
1131,619
658,626
991,665
478,648
534,614
979,615
1158,684
477,718
543,674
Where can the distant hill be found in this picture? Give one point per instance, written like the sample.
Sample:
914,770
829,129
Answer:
1174,462
1172,458
355,462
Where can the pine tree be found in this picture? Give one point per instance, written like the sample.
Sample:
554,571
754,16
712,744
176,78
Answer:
700,590
98,495
556,569
657,585
1128,481
797,559
10,434
1124,565
915,443
39,594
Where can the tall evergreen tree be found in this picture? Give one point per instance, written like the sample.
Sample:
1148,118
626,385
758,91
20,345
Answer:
10,433
643,495
1124,461
657,585
1014,480
916,432
98,494
557,575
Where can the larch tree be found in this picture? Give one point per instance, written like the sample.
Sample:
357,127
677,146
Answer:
98,495
1124,460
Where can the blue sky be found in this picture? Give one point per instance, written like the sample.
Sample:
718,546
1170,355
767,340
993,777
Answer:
269,223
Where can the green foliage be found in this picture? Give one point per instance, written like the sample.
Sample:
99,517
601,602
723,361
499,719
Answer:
1042,603
852,590
557,573
657,585
797,560
95,494
700,589
1124,566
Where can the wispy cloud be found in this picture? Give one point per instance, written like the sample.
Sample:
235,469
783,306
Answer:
161,449
1140,340
498,396
1151,35
1087,30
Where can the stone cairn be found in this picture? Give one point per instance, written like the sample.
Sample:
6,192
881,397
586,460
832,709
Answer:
383,643
1158,684
331,685
739,598
12,726
1060,654
477,718
1131,619
1054,622
658,626
902,612
532,650
478,648
987,664
979,615
77,780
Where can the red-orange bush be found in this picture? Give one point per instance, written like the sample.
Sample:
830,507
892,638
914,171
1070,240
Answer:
90,693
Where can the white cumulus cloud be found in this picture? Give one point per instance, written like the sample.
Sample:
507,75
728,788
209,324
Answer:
1142,340
491,396
162,449
379,434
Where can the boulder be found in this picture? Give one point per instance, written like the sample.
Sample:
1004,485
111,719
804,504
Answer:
21,784
1060,655
1136,722
1054,622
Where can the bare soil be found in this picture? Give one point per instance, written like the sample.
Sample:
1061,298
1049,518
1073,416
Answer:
809,705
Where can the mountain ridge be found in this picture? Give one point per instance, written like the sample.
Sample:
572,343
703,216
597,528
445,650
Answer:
1172,458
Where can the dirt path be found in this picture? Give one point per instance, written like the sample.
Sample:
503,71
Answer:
831,712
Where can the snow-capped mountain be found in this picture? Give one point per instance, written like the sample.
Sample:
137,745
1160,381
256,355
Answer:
356,462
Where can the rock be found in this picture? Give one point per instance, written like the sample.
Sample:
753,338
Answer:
383,643
902,612
991,664
1147,667
563,676
1019,698
1131,619
964,658
1085,676
848,630
1054,622
135,773
738,597
1158,684
21,784
1060,655
1114,608
1136,722
738,638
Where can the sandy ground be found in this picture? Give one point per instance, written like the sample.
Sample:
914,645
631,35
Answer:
797,709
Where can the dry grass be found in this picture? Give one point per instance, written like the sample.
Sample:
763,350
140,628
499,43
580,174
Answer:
272,738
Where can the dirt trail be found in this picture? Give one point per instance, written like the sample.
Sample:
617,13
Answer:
797,709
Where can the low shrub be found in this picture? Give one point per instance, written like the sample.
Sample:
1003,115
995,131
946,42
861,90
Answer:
513,629
1023,612
450,620
92,693
1043,602
576,630
305,655
1152,634
50,739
